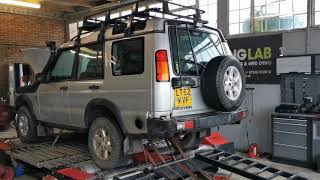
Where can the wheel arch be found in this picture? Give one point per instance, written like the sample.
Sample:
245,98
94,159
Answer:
24,100
107,108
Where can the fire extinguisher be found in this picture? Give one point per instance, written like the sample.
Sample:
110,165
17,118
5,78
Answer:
253,151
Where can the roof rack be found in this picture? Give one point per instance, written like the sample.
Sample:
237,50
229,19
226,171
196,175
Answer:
91,23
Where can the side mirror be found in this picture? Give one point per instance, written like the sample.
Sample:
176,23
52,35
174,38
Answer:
39,77
51,45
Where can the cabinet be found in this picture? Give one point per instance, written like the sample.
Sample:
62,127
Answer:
292,138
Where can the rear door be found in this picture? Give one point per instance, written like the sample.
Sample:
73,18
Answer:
191,50
89,81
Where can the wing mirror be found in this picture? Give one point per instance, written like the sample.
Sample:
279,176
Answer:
39,77
51,45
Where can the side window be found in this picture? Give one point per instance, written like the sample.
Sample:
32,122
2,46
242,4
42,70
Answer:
62,69
91,62
128,57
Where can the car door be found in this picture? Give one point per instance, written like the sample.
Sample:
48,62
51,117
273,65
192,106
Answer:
89,81
53,95
191,50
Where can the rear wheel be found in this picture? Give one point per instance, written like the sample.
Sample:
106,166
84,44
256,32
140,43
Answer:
105,143
26,125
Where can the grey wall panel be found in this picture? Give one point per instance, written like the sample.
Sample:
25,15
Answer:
294,43
265,99
314,41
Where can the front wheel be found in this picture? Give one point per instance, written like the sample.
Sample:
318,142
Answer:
26,125
105,143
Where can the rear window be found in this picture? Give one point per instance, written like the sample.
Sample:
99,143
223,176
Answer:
205,46
128,57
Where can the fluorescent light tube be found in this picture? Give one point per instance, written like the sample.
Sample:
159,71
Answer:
20,3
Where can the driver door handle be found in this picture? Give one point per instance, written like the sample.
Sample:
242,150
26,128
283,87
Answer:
94,87
63,88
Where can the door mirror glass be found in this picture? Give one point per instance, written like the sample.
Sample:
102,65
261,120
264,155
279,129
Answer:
39,77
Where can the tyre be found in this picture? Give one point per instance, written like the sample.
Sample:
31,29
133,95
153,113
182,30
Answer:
26,125
106,143
223,83
190,140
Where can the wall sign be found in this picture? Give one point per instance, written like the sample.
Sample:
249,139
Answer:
258,56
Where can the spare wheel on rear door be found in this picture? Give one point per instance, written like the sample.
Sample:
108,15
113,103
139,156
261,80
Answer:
223,83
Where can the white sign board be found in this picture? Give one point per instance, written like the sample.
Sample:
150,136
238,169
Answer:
301,64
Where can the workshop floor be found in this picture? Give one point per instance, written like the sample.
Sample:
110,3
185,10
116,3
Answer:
308,173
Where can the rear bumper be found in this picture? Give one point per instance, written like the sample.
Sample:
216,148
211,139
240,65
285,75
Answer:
197,122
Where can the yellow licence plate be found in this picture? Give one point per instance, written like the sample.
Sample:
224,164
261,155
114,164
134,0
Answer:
182,98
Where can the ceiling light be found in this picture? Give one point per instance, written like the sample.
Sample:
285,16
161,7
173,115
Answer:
20,3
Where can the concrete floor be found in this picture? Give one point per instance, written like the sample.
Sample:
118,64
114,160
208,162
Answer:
308,173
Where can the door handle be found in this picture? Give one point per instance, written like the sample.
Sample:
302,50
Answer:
94,87
63,88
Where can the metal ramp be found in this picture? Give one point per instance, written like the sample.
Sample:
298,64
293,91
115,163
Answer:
45,155
203,165
244,167
198,164
208,161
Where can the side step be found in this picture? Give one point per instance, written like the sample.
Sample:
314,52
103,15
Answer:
244,167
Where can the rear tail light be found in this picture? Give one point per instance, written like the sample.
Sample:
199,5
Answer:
188,124
162,67
242,115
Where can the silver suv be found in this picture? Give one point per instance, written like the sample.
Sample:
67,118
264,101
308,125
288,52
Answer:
132,78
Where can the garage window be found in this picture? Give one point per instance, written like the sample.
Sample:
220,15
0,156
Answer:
210,8
128,57
239,16
91,62
279,15
317,12
266,15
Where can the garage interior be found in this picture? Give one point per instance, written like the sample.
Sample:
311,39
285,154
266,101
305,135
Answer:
276,41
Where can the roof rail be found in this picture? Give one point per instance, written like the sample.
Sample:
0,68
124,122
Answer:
91,23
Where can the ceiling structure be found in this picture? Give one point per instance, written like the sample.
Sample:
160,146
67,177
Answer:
54,8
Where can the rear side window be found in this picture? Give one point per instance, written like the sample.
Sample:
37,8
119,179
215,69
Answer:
206,46
91,62
128,57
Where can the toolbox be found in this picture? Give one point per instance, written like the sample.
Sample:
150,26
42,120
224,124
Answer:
296,138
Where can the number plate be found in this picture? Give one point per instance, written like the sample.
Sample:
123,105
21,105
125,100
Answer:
182,98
